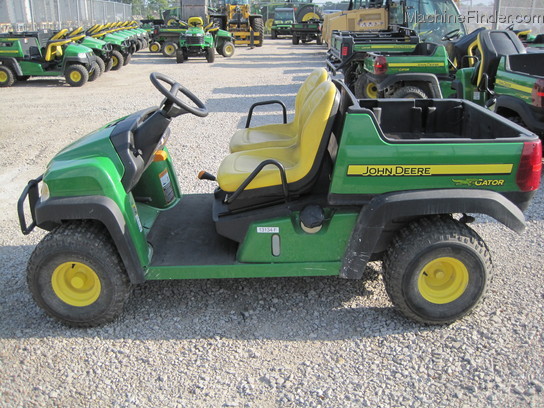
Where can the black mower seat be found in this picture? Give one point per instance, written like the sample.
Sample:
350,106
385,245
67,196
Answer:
278,135
299,160
493,44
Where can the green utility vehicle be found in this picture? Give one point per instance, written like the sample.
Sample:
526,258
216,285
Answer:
27,54
283,22
346,182
102,49
307,31
198,42
507,79
123,46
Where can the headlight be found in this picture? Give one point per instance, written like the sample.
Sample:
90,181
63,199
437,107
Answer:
82,55
44,192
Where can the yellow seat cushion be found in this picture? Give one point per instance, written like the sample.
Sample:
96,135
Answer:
278,135
297,159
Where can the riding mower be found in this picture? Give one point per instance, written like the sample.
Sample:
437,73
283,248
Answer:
198,41
345,182
28,54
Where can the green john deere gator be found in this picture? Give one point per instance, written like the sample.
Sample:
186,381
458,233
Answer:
345,182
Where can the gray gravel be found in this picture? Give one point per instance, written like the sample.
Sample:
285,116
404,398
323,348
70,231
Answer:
247,343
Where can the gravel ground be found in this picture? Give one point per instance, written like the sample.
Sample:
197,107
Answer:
247,343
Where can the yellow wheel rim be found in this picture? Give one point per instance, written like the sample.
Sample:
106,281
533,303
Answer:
114,61
3,76
75,76
229,49
170,49
309,16
76,284
154,48
371,90
443,280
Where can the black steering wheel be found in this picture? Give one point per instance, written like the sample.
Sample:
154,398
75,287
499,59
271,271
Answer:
178,106
451,35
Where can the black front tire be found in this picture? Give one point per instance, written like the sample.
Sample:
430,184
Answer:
437,270
127,59
76,275
6,77
295,39
117,60
101,64
76,75
365,88
180,58
257,25
94,72
210,54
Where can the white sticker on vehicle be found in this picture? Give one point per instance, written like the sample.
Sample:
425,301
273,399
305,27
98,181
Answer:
476,96
268,230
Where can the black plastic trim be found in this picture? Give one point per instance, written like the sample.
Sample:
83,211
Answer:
12,63
250,114
430,79
384,209
522,109
54,211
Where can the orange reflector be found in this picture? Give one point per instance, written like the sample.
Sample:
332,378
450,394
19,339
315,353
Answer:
160,155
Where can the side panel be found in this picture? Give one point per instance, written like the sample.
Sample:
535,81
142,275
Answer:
368,163
284,240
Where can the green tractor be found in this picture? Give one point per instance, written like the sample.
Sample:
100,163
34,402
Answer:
28,54
345,182
199,41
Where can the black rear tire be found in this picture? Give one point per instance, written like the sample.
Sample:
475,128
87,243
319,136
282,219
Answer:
295,40
6,77
76,275
410,92
227,49
437,270
169,49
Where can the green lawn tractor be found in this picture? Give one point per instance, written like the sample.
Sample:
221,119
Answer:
283,22
29,54
198,41
345,182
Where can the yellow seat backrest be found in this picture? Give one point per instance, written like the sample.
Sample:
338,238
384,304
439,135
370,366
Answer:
312,82
312,124
298,160
195,22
